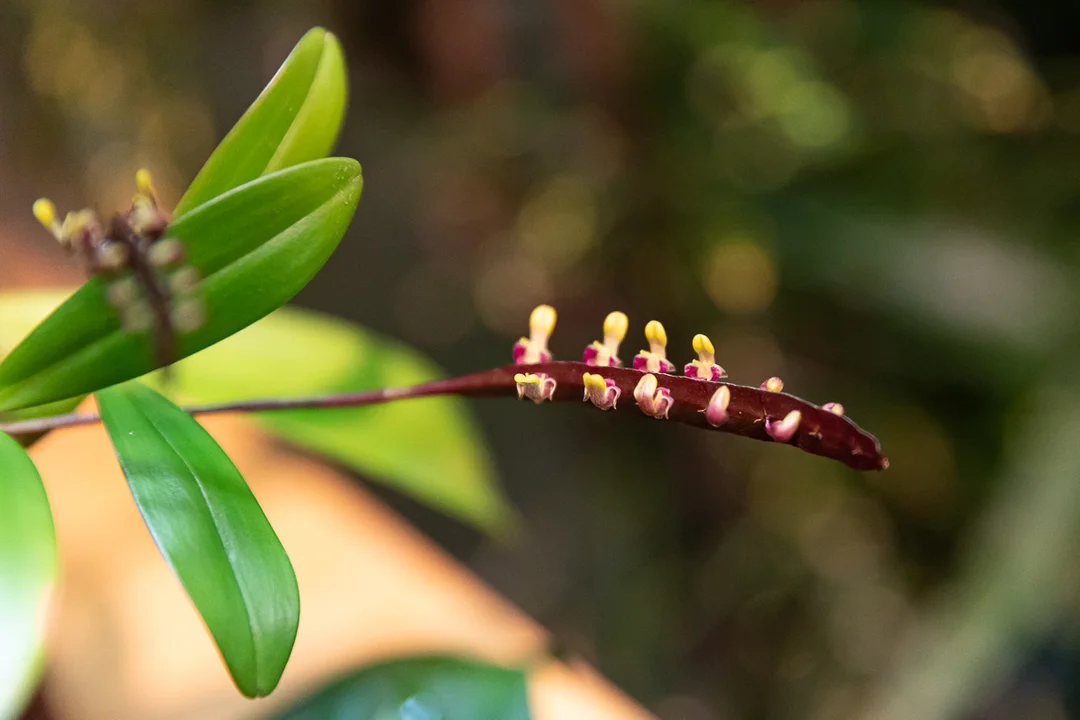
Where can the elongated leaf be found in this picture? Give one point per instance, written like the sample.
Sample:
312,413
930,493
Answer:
27,574
296,118
431,448
425,688
211,531
256,247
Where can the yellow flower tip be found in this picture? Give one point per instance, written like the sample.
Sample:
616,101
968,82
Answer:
703,345
603,393
143,182
655,333
45,212
542,320
833,407
535,387
615,325
593,381
773,384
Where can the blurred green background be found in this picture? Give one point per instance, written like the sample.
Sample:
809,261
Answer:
878,202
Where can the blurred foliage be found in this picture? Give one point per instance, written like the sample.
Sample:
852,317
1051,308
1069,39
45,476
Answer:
418,689
873,200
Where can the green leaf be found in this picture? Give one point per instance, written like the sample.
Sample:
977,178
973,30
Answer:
211,531
296,118
428,688
255,246
430,448
19,313
28,570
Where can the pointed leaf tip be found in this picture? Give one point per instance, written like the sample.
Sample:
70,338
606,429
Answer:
296,118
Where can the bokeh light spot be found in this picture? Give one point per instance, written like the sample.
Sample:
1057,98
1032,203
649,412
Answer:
741,277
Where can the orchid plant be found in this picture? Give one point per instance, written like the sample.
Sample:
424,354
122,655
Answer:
262,216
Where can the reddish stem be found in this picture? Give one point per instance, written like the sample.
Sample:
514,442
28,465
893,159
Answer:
820,432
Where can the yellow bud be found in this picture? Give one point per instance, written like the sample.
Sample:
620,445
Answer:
655,333
45,212
646,387
143,183
615,325
542,319
703,344
530,379
773,384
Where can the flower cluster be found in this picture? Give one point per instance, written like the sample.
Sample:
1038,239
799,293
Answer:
659,393
146,278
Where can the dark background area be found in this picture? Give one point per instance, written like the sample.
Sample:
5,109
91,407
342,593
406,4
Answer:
878,202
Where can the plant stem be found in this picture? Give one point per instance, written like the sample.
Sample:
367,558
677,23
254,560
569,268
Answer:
466,385
749,412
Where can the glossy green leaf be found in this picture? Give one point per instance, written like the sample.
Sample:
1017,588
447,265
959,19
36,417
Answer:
255,247
430,448
27,574
296,118
427,688
20,311
210,529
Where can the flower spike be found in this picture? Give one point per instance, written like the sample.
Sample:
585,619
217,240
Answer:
716,412
533,349
834,407
606,353
785,429
653,400
654,359
705,367
603,392
773,384
537,387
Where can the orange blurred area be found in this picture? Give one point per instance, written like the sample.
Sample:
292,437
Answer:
126,642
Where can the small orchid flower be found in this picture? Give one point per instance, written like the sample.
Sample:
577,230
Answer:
534,349
606,353
783,430
705,367
537,387
601,391
716,412
653,400
773,384
654,359
834,407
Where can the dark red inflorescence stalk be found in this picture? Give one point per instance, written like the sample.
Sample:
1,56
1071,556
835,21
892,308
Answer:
698,398
820,431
